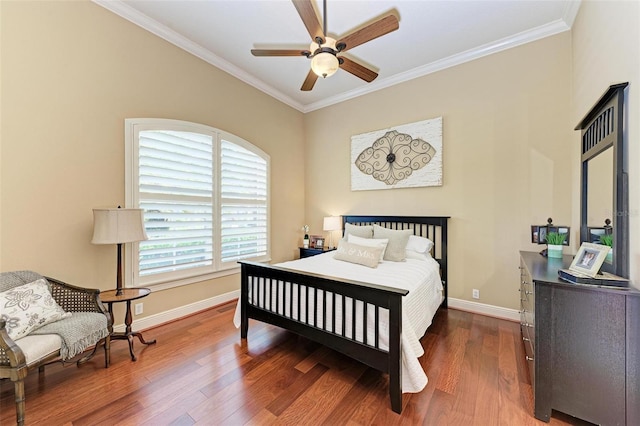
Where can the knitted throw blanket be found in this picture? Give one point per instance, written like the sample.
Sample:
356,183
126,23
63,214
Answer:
78,332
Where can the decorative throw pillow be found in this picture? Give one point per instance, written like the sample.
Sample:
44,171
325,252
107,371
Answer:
354,253
28,307
370,242
398,239
364,231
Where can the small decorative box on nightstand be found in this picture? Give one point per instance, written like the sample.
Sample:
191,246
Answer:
307,252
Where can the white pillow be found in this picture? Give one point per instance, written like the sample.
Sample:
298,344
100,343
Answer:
361,255
370,242
418,256
419,244
28,307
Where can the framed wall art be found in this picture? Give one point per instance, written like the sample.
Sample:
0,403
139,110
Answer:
404,156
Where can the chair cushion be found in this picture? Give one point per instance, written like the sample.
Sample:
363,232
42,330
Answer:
36,348
28,307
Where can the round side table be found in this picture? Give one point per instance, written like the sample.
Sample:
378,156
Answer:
126,295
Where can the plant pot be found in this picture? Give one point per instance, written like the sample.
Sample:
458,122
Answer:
609,258
554,251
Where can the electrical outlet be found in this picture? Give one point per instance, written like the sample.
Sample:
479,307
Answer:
475,294
138,308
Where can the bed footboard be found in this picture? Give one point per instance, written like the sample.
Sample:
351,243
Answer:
331,312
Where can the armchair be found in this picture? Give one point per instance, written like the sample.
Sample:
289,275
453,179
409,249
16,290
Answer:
60,340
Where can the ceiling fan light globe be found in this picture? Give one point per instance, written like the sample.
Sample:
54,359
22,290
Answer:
325,64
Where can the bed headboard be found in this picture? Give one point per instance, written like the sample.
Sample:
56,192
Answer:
432,227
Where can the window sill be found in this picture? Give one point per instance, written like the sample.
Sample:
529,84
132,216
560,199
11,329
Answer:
165,285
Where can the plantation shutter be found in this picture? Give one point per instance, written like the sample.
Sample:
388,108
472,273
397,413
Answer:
176,192
243,196
205,196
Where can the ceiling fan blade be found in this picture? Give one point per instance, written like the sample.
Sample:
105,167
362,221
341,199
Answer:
358,70
374,30
309,81
309,18
279,52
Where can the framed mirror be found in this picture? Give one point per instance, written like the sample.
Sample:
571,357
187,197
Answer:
604,201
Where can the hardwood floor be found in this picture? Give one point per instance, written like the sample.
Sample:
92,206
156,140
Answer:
200,372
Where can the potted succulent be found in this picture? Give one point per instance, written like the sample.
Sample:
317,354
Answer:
555,242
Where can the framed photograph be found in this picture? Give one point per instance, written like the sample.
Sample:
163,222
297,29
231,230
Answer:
595,234
539,233
535,232
565,230
560,230
319,242
542,234
313,240
589,259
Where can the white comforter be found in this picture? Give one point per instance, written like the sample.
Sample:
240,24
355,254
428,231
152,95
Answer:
420,277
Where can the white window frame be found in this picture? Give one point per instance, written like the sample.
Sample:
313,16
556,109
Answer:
133,127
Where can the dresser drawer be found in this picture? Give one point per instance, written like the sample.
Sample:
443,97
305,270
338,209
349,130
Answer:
527,318
529,353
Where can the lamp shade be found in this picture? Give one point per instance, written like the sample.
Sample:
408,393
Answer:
332,223
116,226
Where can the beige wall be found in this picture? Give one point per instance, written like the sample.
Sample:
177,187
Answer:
71,73
506,145
606,50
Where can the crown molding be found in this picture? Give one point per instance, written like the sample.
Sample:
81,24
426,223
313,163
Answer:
524,37
571,11
127,12
132,15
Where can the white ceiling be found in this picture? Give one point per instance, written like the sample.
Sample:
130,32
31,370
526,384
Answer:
433,35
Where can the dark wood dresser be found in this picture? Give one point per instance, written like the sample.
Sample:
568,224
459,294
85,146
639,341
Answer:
582,344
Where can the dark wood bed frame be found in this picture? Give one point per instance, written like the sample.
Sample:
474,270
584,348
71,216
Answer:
264,278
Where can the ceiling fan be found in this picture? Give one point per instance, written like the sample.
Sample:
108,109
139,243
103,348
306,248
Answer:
324,51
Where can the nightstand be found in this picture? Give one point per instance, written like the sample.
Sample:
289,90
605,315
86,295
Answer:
308,252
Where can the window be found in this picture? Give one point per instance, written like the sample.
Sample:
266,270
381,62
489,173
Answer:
205,196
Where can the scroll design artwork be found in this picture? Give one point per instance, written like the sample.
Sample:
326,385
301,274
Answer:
405,156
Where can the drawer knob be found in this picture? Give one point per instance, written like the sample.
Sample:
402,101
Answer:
528,358
525,339
526,324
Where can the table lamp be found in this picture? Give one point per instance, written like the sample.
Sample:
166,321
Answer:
118,226
332,223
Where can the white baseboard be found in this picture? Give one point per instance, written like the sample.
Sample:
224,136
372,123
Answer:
182,311
481,308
